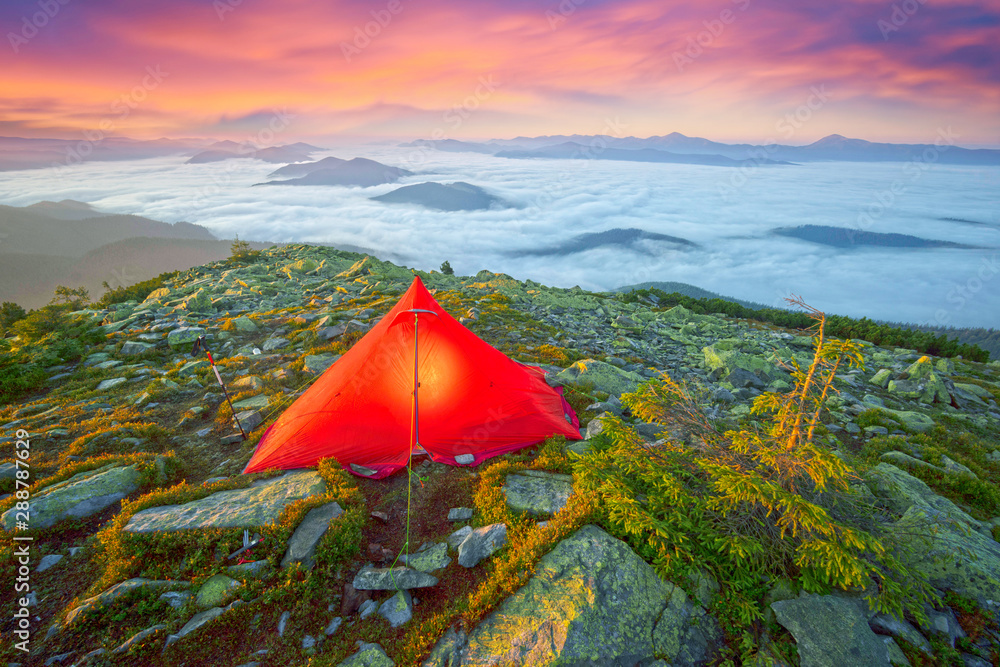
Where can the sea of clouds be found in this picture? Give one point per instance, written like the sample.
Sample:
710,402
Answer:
728,212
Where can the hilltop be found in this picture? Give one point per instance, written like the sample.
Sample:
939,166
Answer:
610,544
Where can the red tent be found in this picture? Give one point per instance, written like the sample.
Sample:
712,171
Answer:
473,399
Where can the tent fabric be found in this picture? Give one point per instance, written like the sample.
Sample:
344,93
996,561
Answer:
473,399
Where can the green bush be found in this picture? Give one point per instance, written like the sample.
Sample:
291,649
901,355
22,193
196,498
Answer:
137,292
749,506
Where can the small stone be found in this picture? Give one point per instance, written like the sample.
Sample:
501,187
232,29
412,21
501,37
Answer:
398,609
132,348
272,344
367,608
250,419
465,459
249,383
333,626
456,538
481,543
308,642
381,516
109,384
47,562
352,599
460,514
283,622
176,599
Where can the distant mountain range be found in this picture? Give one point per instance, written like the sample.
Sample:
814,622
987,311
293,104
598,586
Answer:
571,150
605,147
843,237
457,196
228,150
359,172
70,243
20,153
625,238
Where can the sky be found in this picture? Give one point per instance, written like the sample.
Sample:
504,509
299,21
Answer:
728,70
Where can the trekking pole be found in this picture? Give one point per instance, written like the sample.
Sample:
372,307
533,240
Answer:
200,344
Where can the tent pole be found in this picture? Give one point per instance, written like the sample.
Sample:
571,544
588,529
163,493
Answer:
416,426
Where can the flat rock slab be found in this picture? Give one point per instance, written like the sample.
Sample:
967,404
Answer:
80,496
108,384
197,621
256,569
592,601
538,492
318,363
386,579
459,514
481,543
257,505
831,631
302,545
434,557
602,375
252,403
184,336
102,600
138,638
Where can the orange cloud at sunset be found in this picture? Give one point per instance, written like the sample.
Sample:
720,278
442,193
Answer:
728,70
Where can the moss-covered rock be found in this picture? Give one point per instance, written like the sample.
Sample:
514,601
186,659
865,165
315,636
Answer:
368,655
831,631
718,357
538,492
952,556
80,496
102,600
216,591
259,504
603,376
593,601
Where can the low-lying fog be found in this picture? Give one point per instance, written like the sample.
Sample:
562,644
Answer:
729,213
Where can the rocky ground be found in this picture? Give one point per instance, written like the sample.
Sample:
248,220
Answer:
137,500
